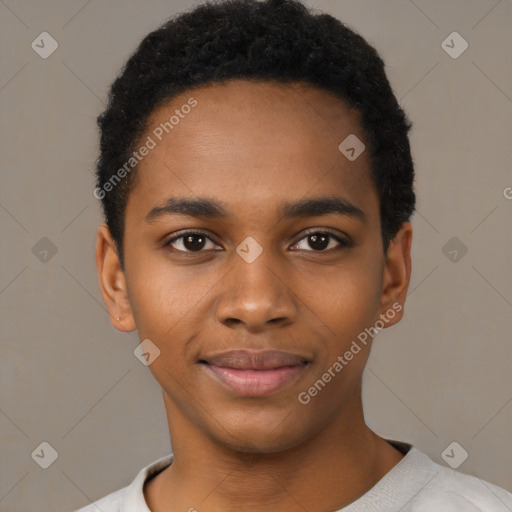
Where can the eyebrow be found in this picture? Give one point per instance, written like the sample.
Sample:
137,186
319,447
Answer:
208,208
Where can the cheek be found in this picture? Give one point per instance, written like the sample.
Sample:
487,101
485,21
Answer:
348,305
348,298
167,301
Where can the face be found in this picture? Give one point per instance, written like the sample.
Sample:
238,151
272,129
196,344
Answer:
254,262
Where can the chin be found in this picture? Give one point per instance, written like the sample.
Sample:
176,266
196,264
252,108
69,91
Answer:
274,434
258,444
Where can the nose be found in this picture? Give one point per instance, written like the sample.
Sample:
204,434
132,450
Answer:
256,296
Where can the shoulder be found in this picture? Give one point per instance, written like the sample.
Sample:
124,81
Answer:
456,491
130,498
110,503
437,487
418,484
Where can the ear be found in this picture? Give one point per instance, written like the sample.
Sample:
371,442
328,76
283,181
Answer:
112,282
397,274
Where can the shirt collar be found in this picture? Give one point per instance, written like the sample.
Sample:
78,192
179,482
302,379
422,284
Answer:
134,498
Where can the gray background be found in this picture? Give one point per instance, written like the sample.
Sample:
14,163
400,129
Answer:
68,378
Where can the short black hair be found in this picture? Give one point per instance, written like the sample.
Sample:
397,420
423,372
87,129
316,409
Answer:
274,40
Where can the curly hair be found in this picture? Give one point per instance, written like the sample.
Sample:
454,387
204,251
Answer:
274,40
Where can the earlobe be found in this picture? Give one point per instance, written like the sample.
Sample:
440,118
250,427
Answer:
113,282
397,274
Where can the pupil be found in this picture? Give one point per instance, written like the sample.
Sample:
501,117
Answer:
314,241
191,245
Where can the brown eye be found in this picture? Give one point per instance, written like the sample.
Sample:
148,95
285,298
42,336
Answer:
319,241
190,242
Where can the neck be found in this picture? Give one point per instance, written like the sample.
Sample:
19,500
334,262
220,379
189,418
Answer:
327,472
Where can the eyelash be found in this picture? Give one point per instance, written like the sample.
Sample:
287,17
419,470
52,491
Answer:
343,244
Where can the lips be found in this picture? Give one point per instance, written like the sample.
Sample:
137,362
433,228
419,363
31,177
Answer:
250,360
255,373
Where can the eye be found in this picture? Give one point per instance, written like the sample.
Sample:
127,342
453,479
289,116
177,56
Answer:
321,241
190,241
197,241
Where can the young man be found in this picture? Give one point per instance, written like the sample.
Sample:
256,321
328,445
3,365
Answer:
257,183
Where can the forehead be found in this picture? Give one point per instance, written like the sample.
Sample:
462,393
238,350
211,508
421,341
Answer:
254,141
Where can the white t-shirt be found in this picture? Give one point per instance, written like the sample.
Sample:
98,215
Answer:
415,484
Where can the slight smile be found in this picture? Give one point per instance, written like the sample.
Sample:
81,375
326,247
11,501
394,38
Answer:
255,373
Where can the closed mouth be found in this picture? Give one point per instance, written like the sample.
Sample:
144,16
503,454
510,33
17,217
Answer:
255,360
255,373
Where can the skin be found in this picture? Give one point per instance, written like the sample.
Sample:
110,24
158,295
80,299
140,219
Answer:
255,146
